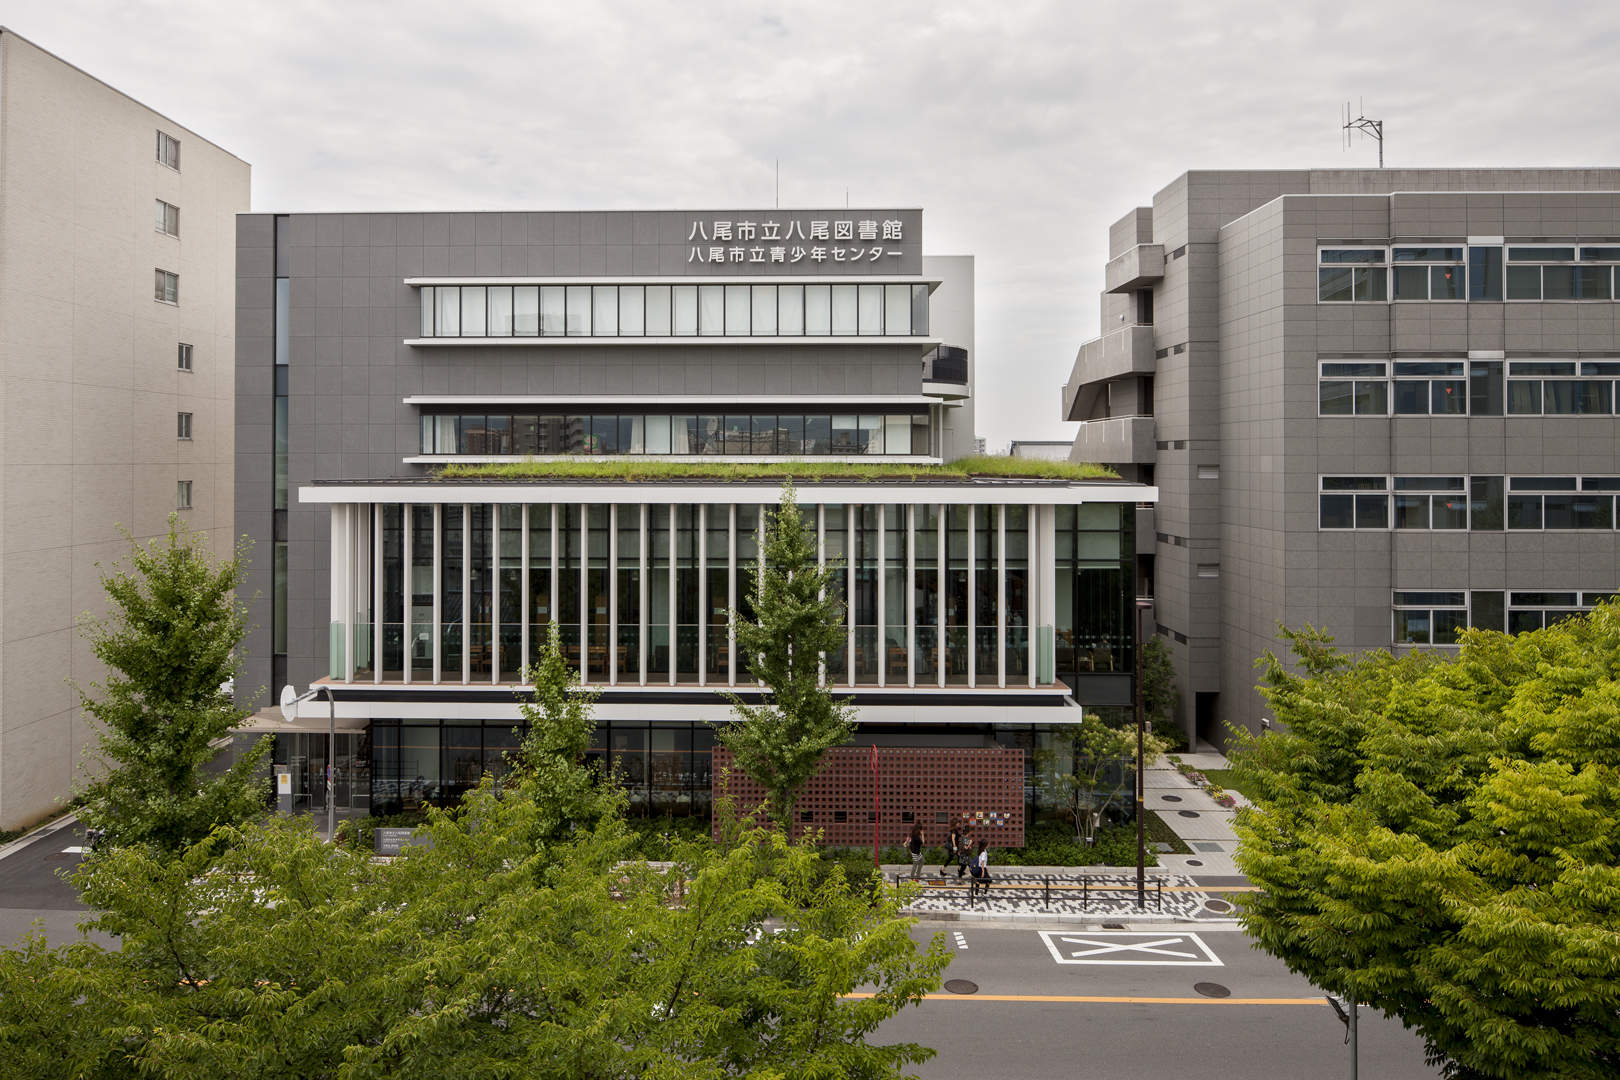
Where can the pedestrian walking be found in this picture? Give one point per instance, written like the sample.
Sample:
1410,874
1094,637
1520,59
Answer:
981,870
953,844
915,845
964,850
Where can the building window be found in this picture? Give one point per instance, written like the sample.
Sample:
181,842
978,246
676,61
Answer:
1353,390
1560,396
183,495
657,311
1352,274
184,425
168,151
1209,569
185,357
1209,472
166,287
1354,502
1430,388
1430,273
1431,502
732,435
1560,276
168,218
1429,618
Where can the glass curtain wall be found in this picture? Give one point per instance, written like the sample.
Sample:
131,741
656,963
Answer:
933,595
895,650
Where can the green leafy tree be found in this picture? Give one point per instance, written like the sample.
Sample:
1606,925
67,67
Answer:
508,947
1089,767
1160,698
1439,835
550,764
170,649
798,619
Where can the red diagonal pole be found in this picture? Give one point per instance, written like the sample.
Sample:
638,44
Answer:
875,808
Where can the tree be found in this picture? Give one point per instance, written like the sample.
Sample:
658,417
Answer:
170,649
1160,698
508,947
1438,836
798,620
1088,766
550,763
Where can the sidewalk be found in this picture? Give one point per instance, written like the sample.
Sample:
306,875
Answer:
1202,823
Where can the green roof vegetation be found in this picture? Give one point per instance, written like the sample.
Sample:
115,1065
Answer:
622,469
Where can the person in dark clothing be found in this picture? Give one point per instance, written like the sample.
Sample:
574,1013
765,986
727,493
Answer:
953,844
915,845
981,869
964,850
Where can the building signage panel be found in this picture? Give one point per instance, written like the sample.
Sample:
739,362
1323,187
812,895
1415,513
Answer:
870,238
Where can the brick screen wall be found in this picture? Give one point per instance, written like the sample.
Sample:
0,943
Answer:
984,786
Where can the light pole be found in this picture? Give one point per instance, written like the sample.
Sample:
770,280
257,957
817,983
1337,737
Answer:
289,710
1142,604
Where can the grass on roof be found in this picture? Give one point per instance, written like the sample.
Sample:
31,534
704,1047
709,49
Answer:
623,469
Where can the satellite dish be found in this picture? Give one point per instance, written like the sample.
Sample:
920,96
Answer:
289,703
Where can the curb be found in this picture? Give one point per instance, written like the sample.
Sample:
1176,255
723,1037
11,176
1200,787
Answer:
34,834
1092,918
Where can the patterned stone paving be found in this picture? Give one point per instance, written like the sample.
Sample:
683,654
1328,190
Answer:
1111,896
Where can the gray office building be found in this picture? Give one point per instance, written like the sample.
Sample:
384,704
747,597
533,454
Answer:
1377,401
376,350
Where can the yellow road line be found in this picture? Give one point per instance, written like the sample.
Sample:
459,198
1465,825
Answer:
1119,1000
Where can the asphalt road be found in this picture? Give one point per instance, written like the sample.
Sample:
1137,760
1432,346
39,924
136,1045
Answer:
1122,1007
33,890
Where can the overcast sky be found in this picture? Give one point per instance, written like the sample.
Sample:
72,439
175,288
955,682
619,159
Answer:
1022,128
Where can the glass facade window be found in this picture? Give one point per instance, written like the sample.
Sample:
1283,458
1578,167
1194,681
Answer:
751,434
935,596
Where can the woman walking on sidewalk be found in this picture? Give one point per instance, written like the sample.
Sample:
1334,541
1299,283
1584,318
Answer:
953,844
981,870
915,846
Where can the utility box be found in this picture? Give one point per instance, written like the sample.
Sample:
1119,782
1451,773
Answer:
284,793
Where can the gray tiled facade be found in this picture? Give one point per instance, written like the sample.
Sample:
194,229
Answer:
1239,331
350,365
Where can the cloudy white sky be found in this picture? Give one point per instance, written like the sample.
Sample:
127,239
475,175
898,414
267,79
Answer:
1023,128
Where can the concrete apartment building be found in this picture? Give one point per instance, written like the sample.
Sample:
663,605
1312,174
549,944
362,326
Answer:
117,314
1380,401
374,349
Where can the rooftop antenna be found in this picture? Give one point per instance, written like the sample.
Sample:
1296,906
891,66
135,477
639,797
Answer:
1375,128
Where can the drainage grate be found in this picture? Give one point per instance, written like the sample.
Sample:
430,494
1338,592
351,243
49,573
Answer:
1215,990
1113,926
961,986
1187,813
1194,862
1217,905
60,856
1171,798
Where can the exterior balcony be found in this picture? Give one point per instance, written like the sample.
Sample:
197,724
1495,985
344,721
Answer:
945,373
1125,352
1136,269
1120,440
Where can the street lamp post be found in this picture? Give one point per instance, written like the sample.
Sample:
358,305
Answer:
1142,604
289,710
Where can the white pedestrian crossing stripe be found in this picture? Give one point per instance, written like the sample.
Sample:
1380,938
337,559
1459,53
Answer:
1129,947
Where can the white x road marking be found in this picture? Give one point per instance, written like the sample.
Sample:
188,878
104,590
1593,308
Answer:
1108,947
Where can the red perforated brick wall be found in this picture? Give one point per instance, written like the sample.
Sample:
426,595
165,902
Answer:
984,786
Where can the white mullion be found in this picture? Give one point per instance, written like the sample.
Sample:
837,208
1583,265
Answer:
466,593
407,627
438,592
611,660
1001,596
674,652
643,544
821,562
376,591
943,531
1032,548
882,595
350,553
495,594
584,587
731,599
556,572
849,592
523,590
705,601
973,595
910,510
